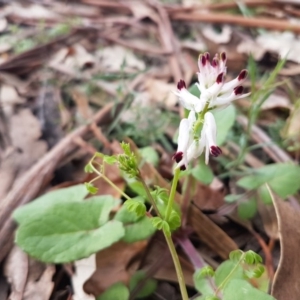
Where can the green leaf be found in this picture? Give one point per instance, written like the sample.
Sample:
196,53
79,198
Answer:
149,155
110,159
225,119
138,231
255,272
203,172
202,284
69,231
225,269
148,288
247,209
206,271
137,187
88,168
252,258
235,255
232,198
283,179
118,291
238,289
91,188
161,224
136,207
175,220
125,216
264,195
212,297
39,205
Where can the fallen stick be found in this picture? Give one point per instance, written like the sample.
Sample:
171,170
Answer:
221,18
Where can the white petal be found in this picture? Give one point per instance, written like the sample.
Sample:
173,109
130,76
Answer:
187,99
200,85
215,89
195,149
191,119
230,85
220,101
235,82
183,136
206,154
210,130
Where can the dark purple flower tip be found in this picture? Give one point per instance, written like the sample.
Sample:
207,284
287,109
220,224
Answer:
181,85
238,90
215,151
178,156
182,168
203,59
220,78
214,62
223,56
243,74
207,56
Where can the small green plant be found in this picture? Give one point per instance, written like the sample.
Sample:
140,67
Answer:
232,279
61,227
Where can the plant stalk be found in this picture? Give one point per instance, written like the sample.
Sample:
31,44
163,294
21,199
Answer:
172,194
178,269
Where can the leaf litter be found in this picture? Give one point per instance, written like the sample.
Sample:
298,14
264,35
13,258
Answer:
132,54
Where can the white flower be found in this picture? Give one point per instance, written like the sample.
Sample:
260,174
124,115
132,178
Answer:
191,147
213,90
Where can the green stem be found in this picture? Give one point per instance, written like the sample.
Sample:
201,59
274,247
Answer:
100,175
178,269
200,120
224,282
172,194
152,201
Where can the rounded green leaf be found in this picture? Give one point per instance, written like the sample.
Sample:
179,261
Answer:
39,205
283,178
247,209
69,231
148,288
203,284
225,269
118,291
238,289
203,172
138,231
149,155
225,119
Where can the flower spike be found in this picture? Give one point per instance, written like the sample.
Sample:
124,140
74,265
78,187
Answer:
198,132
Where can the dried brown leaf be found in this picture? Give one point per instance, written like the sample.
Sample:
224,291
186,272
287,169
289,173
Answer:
159,262
292,127
161,92
287,275
113,58
34,11
41,289
84,269
16,271
222,37
269,219
277,101
112,266
206,198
